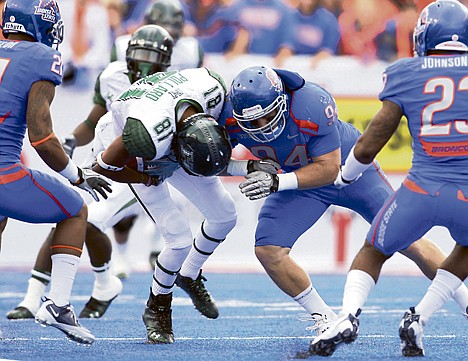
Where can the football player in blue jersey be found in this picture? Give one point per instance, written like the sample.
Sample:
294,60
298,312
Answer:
430,90
30,68
278,115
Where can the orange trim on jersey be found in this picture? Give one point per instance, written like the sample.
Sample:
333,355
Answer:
2,119
43,140
412,186
68,247
51,196
461,196
382,175
10,167
442,149
8,178
231,121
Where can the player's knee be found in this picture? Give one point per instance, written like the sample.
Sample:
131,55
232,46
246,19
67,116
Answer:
83,213
218,229
175,229
125,224
270,256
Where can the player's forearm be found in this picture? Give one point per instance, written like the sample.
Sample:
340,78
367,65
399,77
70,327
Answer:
51,152
83,133
126,175
317,175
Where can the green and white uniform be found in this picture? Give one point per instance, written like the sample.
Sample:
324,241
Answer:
146,115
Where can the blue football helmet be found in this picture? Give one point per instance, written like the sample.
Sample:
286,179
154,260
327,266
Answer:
442,25
259,103
38,18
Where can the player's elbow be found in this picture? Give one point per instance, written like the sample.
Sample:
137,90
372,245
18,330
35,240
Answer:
364,153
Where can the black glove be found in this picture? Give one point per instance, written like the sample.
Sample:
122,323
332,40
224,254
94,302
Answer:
69,145
263,165
93,182
259,185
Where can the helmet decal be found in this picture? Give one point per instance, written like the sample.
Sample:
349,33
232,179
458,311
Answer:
47,9
39,19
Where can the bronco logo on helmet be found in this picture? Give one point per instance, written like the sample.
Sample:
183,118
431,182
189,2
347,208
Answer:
47,9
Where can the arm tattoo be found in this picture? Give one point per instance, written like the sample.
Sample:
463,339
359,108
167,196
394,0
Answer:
38,115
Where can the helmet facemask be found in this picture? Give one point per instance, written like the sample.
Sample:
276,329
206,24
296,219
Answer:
274,114
142,62
56,34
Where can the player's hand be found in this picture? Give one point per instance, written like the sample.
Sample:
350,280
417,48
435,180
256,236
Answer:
259,185
340,182
93,182
69,145
263,165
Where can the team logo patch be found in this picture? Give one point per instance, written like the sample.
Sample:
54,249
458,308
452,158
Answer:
47,9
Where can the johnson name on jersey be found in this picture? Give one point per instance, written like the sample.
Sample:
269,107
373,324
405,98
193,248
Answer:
434,103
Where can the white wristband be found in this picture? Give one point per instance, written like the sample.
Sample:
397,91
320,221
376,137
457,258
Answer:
237,167
287,181
352,167
70,172
106,166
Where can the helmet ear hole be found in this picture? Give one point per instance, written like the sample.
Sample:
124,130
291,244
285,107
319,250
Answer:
202,146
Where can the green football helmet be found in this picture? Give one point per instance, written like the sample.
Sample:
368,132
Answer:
149,51
169,15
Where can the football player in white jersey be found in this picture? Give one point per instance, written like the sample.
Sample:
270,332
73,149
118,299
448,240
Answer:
148,51
187,53
165,125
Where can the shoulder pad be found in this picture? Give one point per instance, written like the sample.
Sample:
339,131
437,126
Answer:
292,80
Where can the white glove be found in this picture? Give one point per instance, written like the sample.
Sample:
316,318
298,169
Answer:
93,182
69,145
340,182
259,185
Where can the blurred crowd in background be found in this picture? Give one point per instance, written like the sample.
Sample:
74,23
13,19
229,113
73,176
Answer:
367,29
